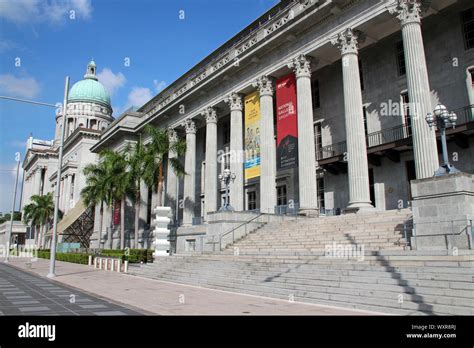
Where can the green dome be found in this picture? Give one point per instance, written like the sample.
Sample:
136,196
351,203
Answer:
89,89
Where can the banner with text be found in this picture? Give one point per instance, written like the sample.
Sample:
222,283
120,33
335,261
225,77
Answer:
287,122
252,135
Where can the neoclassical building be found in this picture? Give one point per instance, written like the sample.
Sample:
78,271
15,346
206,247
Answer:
89,113
317,106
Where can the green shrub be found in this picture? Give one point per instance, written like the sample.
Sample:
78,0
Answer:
134,255
81,258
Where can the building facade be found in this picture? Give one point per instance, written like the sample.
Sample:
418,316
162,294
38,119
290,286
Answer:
317,107
89,113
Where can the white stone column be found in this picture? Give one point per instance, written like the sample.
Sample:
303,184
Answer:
358,172
171,178
306,146
67,193
190,169
142,215
236,151
424,138
210,179
267,146
37,181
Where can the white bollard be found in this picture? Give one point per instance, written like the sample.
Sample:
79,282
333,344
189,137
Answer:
95,262
112,266
118,265
101,263
89,262
125,267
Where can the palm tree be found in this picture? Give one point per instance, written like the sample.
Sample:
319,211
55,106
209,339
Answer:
96,189
157,150
39,212
136,169
105,183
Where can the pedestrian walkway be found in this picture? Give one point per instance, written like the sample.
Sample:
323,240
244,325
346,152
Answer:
23,293
164,298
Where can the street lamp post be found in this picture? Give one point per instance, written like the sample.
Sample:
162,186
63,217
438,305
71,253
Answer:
52,263
10,231
441,118
226,177
52,260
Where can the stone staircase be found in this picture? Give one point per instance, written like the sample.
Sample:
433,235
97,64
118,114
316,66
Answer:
384,230
288,260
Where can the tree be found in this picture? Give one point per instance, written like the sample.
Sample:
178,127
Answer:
136,168
105,183
96,190
39,213
156,152
7,217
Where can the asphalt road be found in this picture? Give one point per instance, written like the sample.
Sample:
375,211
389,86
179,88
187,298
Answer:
22,293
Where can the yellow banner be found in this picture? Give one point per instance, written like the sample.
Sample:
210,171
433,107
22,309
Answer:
252,135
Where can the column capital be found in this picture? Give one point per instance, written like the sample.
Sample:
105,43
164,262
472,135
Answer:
172,135
264,84
407,11
190,126
209,114
347,41
301,66
234,100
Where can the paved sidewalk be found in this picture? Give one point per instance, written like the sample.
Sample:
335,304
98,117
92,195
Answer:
163,298
23,293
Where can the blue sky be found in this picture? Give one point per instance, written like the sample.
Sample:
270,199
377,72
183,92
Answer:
43,41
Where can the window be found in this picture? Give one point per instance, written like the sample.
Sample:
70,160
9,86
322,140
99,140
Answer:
364,112
251,200
371,186
406,112
401,59
227,133
361,75
468,27
315,91
321,203
318,136
281,195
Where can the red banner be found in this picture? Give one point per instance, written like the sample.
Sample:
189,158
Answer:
287,122
117,213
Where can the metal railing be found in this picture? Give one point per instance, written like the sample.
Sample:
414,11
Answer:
384,136
388,135
330,212
456,227
245,225
287,209
465,115
332,150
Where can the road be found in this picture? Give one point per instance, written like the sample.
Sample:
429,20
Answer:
22,293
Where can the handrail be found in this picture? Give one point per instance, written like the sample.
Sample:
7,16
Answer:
234,228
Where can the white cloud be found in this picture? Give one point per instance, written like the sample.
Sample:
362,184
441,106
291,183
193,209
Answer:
138,96
7,45
26,87
51,11
112,82
159,85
